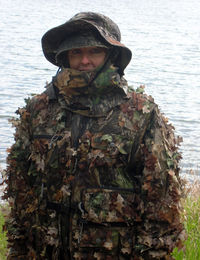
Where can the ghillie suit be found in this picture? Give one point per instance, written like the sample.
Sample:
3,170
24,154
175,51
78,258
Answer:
93,173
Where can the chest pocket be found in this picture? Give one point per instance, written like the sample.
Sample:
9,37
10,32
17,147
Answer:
109,205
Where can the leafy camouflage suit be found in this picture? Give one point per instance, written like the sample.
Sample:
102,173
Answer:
93,173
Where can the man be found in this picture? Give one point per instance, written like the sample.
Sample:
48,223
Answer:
93,173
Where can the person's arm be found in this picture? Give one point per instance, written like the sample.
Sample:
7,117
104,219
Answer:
155,163
19,187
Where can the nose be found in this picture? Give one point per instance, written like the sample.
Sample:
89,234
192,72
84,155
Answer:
85,59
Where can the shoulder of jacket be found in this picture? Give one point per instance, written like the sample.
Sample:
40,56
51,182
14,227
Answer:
39,101
139,101
51,91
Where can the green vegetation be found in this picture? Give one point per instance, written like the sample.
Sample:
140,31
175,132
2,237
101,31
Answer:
3,242
191,217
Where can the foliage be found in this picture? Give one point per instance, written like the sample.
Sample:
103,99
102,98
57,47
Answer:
3,241
192,224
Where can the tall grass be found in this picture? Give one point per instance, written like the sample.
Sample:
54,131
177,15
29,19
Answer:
191,217
3,242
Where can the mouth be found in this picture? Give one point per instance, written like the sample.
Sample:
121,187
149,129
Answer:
86,68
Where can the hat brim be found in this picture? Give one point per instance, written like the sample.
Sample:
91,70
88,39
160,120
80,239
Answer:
80,41
53,38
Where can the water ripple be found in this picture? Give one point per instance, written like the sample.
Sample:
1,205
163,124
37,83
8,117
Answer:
163,36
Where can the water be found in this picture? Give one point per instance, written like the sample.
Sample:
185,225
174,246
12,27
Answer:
164,37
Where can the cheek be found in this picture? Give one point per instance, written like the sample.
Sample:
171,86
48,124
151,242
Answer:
73,62
100,60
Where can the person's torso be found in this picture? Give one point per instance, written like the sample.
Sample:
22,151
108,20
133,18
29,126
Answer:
85,165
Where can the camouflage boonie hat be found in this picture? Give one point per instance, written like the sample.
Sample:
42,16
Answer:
82,39
106,33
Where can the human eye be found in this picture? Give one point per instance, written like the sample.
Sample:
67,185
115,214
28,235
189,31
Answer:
75,52
97,50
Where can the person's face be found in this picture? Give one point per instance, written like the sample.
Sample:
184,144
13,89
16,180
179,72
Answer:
87,58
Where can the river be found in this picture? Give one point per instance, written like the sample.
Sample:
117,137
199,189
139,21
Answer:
164,37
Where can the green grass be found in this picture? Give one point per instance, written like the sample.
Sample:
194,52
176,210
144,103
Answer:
3,242
191,216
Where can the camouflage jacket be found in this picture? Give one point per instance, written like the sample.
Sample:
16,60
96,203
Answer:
93,174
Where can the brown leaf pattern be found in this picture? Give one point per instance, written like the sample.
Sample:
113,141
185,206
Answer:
104,187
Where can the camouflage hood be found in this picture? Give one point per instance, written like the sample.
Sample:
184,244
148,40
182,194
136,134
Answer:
104,29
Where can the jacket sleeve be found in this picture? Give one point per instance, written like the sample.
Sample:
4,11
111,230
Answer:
19,192
155,163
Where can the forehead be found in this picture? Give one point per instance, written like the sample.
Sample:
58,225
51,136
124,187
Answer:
89,48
